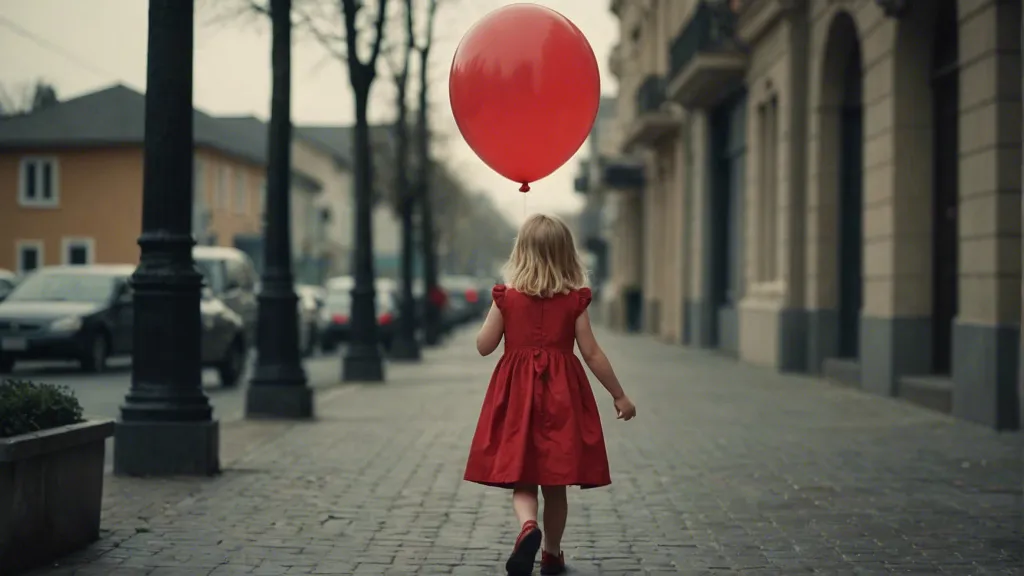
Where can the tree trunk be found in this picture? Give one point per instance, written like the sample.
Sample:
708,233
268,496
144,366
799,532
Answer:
432,320
362,359
405,346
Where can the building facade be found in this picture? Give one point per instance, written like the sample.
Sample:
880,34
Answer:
831,187
71,178
592,235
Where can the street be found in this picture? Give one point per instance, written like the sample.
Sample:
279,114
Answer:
727,469
101,395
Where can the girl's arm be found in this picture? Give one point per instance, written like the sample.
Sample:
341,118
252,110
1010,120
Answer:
595,358
489,336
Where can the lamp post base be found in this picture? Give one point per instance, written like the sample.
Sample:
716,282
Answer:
277,401
167,448
406,349
362,365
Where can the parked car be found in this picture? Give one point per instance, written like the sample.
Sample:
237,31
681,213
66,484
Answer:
86,313
7,282
465,300
337,312
224,347
231,276
81,313
311,301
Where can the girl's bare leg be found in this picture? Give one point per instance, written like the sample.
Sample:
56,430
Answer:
524,503
556,511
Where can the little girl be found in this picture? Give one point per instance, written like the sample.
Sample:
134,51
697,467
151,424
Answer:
539,425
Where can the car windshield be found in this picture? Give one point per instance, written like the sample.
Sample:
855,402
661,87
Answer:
211,271
43,287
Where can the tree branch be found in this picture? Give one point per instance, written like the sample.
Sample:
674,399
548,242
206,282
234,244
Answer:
379,26
349,8
424,48
301,20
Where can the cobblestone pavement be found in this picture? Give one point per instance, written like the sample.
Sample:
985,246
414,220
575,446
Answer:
727,469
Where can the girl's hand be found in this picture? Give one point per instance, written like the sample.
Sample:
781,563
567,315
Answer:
624,408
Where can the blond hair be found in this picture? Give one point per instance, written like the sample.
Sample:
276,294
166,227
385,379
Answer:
544,261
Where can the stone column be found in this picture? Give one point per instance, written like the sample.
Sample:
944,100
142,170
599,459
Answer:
986,333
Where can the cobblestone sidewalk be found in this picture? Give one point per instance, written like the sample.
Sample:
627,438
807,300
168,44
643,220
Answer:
727,469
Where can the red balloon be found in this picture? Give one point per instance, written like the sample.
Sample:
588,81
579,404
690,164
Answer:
524,89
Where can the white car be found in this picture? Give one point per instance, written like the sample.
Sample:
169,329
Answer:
311,301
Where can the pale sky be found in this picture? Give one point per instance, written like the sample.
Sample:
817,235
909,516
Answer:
90,44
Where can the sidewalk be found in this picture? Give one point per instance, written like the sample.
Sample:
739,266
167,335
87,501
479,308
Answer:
727,469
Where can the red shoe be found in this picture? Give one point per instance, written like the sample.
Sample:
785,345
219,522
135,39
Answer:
551,564
524,553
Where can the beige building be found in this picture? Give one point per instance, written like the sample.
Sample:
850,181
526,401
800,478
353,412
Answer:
830,187
71,178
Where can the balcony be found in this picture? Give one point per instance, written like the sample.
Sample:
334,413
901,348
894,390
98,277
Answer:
706,63
653,122
622,174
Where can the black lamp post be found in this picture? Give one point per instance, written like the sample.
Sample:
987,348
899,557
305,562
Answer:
167,426
278,387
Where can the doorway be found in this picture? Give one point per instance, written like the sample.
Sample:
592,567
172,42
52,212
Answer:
728,151
945,194
850,261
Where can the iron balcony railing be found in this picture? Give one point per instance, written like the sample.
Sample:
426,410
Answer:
712,27
651,95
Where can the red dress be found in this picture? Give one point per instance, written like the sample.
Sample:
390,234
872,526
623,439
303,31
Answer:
539,423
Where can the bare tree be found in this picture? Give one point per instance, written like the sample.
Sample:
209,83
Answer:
432,318
26,98
362,360
405,346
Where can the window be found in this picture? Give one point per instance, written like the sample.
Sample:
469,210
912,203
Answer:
241,193
221,193
39,183
77,251
29,255
768,212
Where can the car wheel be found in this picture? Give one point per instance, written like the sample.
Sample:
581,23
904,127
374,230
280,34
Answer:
6,364
232,366
95,357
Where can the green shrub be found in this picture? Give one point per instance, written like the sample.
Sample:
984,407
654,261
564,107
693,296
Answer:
29,407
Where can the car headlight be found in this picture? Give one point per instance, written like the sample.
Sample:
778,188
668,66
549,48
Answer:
69,324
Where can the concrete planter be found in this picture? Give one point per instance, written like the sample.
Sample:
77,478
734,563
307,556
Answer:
51,491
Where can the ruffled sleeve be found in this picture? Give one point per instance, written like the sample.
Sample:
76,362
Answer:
585,296
498,295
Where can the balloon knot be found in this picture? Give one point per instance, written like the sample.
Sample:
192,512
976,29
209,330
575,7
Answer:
525,187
